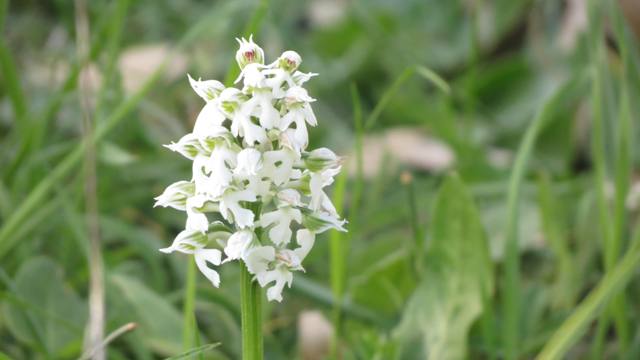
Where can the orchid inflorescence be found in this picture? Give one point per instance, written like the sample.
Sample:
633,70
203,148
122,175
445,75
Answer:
253,180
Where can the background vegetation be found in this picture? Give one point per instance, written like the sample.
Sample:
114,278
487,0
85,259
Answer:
492,207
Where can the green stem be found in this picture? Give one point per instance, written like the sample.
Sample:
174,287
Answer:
251,316
189,327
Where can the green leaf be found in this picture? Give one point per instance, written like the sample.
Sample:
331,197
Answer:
160,322
457,277
41,308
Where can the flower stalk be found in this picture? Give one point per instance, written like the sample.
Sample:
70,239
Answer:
251,316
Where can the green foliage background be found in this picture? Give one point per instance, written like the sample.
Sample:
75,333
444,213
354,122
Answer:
523,247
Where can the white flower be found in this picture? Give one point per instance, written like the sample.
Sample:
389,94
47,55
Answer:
277,165
318,181
305,239
261,107
248,52
193,242
258,258
235,107
196,219
299,78
290,197
254,77
281,275
209,122
281,219
238,244
231,210
297,100
249,163
251,171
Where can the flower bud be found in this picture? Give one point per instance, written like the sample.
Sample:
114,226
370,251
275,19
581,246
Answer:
289,61
248,52
175,195
320,159
188,146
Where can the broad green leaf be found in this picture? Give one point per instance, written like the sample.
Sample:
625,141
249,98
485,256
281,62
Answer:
160,322
42,309
457,277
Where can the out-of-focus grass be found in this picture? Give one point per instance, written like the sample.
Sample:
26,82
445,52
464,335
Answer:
538,112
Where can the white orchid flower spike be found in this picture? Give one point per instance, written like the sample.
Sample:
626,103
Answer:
253,175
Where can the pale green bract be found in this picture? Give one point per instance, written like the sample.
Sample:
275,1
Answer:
254,184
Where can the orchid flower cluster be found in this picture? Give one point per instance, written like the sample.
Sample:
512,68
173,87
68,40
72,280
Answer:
254,183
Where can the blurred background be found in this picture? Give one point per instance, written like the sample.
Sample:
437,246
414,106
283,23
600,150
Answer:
533,104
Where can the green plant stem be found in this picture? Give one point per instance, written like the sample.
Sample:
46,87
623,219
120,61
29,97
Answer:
189,326
251,316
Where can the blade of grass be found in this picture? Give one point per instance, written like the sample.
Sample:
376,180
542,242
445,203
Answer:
564,293
417,249
623,171
611,284
512,296
337,263
357,122
113,43
12,82
195,351
405,75
434,78
339,243
610,232
387,96
42,189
